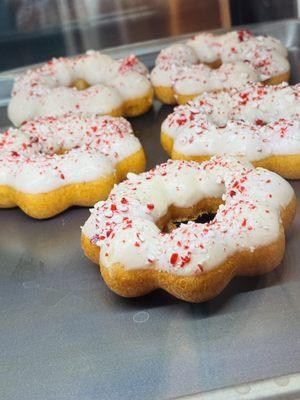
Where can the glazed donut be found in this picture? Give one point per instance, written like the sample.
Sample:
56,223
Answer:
259,122
178,76
127,233
114,87
52,163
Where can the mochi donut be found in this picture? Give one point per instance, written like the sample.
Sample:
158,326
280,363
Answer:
127,234
182,70
52,163
90,83
259,122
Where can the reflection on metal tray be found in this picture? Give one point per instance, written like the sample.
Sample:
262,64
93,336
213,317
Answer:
64,335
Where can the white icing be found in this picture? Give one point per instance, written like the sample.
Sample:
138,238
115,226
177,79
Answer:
94,145
199,78
267,59
124,226
178,66
46,91
206,46
230,123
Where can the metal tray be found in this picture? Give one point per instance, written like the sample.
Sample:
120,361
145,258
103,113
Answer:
64,335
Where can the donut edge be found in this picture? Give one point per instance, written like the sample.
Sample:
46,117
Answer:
167,95
287,166
199,287
48,204
138,106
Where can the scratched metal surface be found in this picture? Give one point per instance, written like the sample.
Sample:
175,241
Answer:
64,335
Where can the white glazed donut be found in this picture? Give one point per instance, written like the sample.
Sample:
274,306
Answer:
259,122
265,53
194,261
178,76
50,163
115,87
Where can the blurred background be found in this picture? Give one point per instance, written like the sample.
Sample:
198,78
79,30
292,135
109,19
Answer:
32,31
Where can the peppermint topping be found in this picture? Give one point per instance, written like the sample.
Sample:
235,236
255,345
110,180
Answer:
48,152
256,121
244,58
249,216
49,90
174,258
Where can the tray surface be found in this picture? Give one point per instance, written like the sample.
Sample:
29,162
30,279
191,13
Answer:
64,335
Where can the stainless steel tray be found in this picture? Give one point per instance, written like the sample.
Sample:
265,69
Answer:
64,335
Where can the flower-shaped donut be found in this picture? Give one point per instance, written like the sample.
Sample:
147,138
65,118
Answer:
127,234
259,122
50,164
90,83
178,76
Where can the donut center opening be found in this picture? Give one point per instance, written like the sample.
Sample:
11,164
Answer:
61,152
80,84
204,212
202,218
213,64
56,152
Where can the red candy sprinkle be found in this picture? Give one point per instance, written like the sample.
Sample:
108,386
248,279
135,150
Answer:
186,259
181,121
128,63
150,206
242,34
259,122
174,258
244,96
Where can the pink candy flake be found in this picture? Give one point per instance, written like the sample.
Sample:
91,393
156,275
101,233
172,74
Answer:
173,259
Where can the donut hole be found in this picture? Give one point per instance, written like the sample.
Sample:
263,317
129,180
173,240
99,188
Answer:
202,213
202,218
80,84
61,152
213,64
55,152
